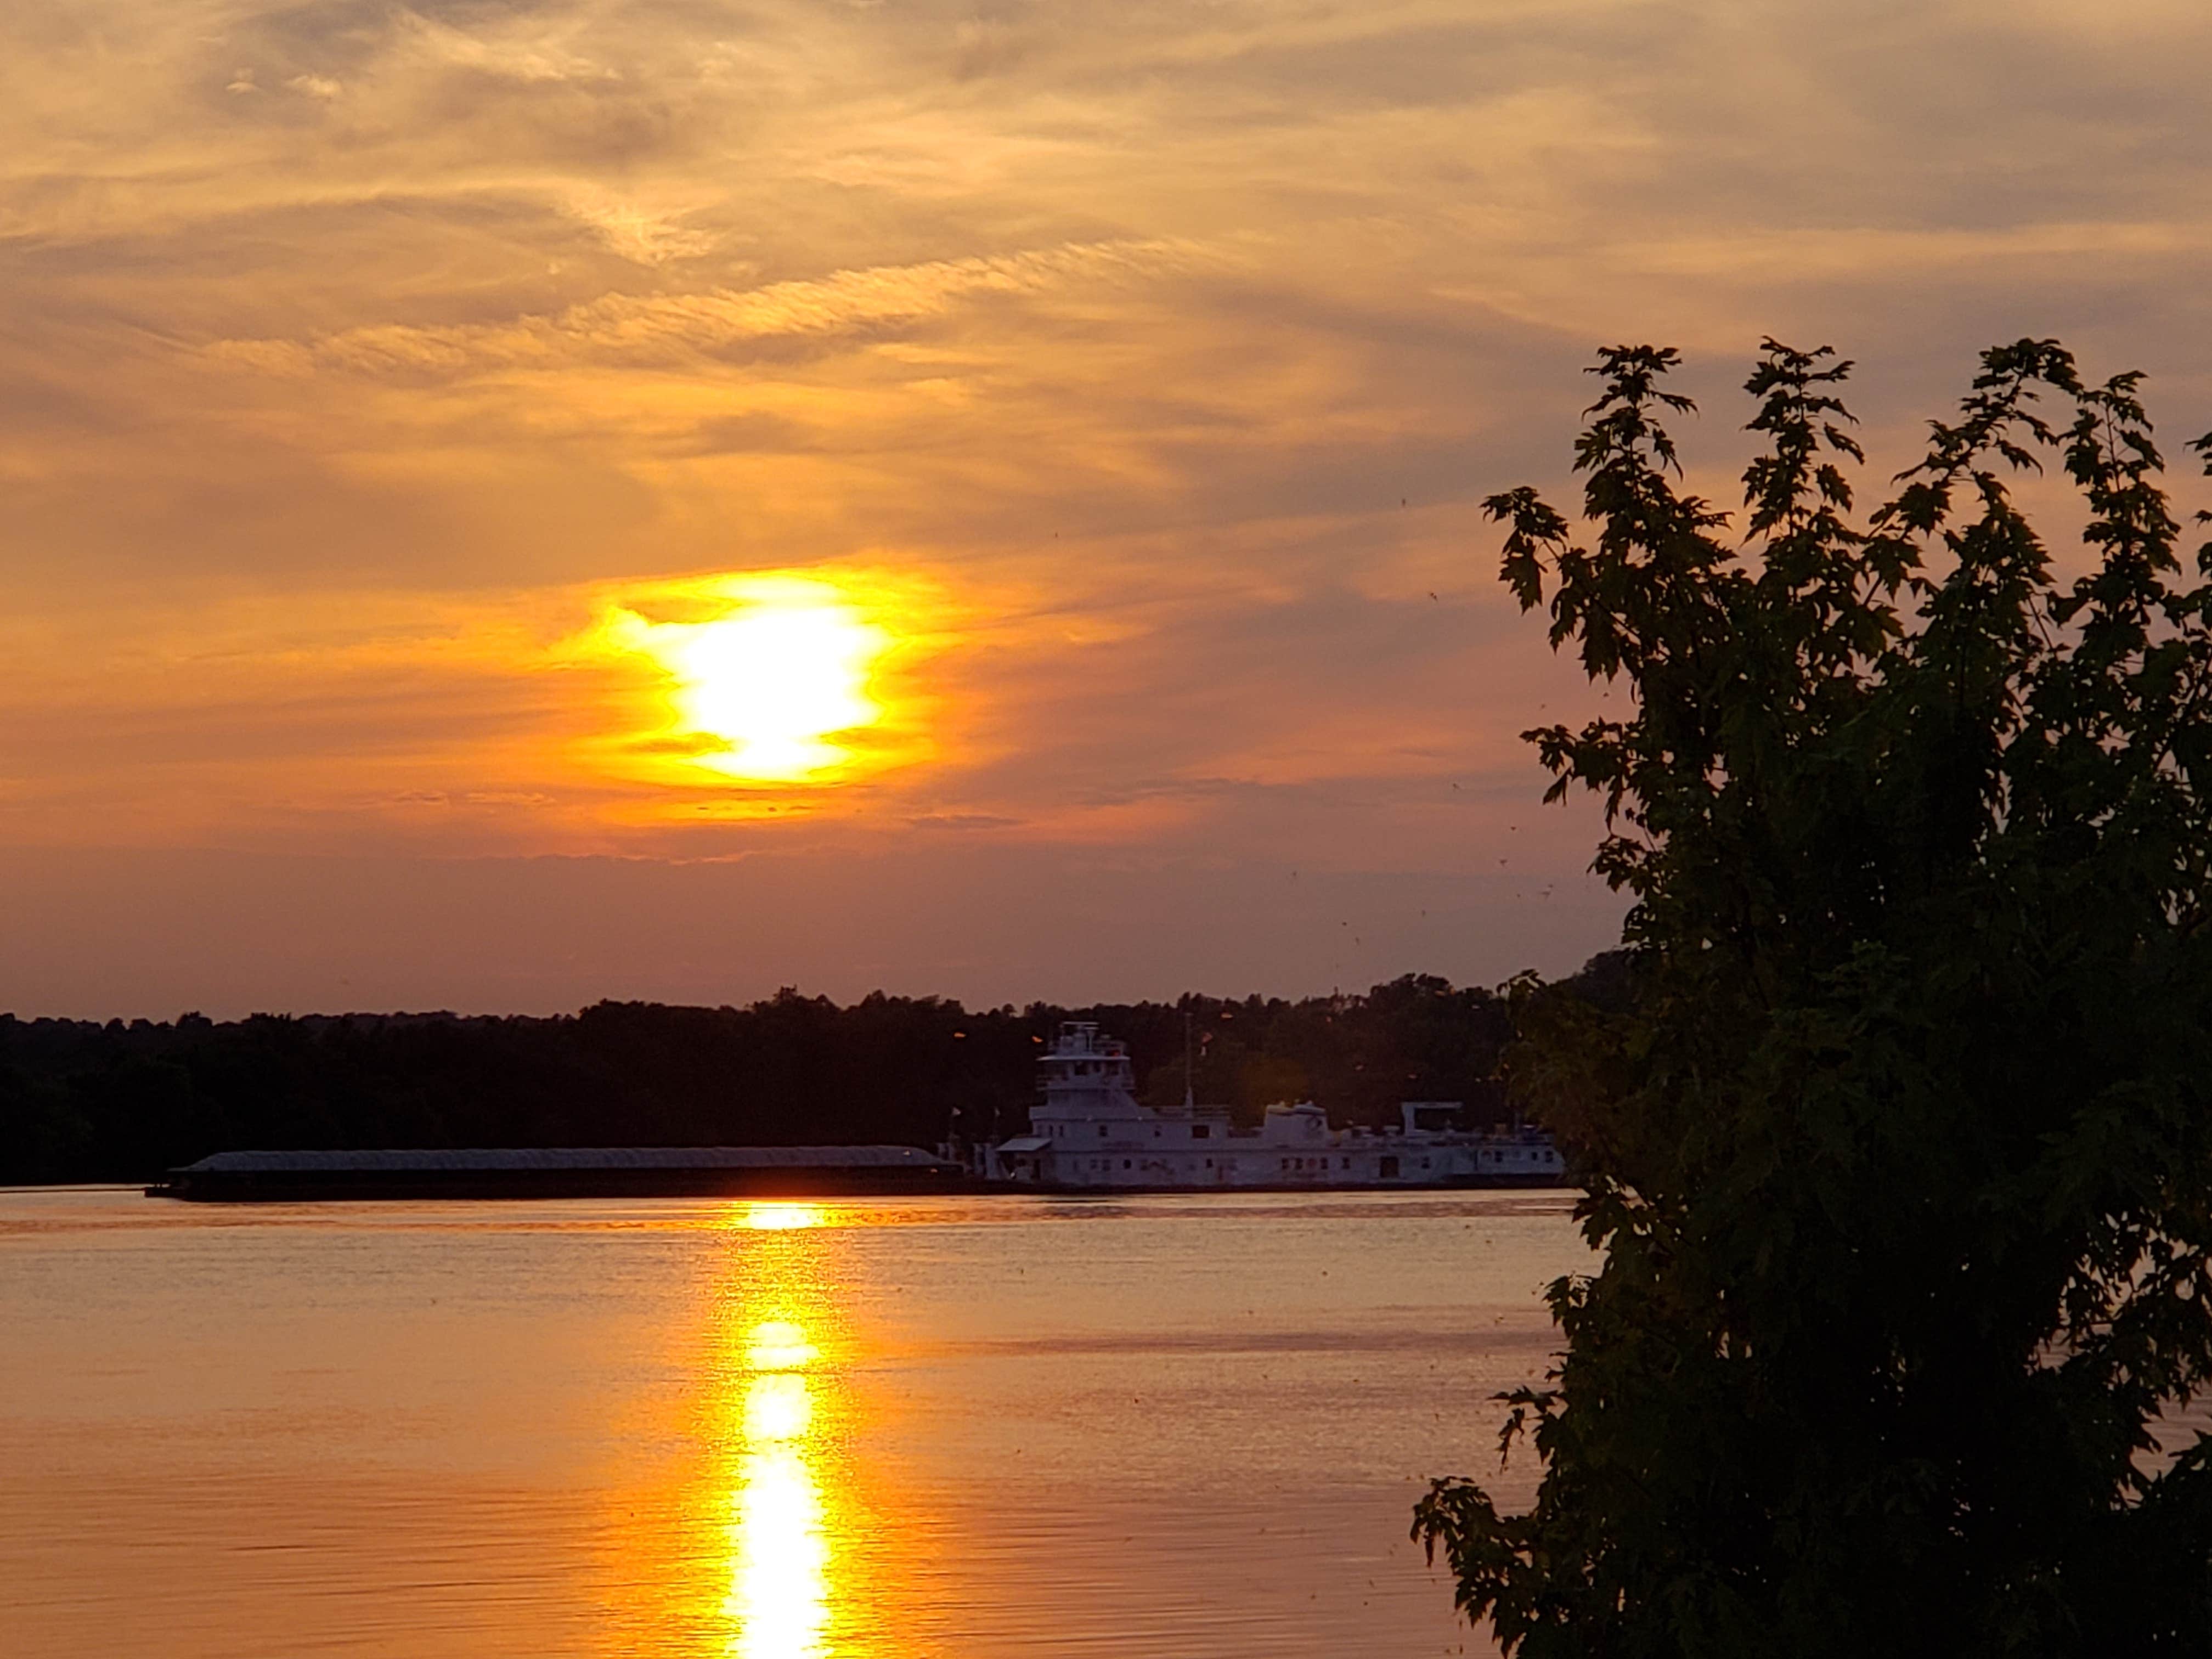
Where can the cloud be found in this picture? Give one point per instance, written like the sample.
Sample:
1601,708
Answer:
665,329
644,235
963,821
521,47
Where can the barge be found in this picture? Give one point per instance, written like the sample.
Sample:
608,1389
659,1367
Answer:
565,1172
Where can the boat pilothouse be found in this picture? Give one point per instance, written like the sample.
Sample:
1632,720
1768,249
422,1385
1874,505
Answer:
1089,1130
1089,1081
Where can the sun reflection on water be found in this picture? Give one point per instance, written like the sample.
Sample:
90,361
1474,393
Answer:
778,1408
782,1502
766,1511
779,1345
780,1551
782,1216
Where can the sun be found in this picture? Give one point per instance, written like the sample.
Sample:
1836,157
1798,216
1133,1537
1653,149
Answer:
769,680
776,682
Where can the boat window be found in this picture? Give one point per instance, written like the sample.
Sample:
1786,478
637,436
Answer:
1101,1131
1201,1130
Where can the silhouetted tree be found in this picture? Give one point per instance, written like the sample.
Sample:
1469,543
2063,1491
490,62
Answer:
1898,1156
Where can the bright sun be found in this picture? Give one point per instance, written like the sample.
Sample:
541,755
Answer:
763,686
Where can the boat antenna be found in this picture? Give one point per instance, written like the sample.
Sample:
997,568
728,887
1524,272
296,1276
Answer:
1189,1081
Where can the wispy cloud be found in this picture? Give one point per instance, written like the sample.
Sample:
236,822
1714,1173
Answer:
663,329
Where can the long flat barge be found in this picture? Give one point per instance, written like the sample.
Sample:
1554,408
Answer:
563,1172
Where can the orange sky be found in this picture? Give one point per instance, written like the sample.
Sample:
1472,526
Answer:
1132,371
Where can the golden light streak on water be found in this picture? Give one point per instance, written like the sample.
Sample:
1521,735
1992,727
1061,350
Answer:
779,1604
782,1217
779,1345
779,1407
787,1535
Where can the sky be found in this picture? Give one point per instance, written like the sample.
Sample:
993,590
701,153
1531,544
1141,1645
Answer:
511,504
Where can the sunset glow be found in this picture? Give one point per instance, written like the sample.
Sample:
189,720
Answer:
787,487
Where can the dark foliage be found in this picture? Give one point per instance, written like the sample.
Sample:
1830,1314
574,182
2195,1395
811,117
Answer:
80,1101
1897,1152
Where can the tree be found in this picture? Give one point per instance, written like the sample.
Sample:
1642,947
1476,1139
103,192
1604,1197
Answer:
1898,1156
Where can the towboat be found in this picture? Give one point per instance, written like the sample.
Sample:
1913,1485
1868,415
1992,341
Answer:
1088,1130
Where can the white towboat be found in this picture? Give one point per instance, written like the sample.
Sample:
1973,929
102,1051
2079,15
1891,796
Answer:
1090,1131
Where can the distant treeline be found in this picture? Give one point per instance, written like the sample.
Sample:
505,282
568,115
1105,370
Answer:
81,1101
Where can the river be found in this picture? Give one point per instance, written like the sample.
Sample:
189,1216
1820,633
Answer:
1150,1427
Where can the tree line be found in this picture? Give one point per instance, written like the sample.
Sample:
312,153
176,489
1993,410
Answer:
84,1101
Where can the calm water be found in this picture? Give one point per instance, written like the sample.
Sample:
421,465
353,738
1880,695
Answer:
1163,1428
